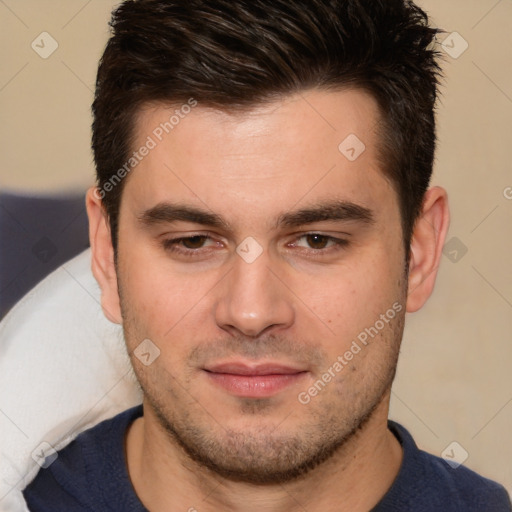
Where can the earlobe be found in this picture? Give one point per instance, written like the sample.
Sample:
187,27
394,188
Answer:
102,256
426,247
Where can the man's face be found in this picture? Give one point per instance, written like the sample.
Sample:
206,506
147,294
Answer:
253,253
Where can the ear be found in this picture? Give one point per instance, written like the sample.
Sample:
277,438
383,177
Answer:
426,247
102,252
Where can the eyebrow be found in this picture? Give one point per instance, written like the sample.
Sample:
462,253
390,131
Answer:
167,213
331,211
345,211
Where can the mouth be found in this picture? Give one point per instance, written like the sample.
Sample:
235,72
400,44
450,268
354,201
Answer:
254,380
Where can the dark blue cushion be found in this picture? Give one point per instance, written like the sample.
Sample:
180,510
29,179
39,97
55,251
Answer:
37,234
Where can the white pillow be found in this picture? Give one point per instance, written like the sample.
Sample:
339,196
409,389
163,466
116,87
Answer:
63,369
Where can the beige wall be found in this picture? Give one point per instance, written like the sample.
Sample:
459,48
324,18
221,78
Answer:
455,375
454,381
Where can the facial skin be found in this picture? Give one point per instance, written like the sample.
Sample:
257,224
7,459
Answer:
301,303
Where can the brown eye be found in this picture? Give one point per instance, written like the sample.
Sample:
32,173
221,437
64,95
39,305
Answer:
317,241
194,242
319,244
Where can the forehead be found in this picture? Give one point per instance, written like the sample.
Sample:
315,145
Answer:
303,148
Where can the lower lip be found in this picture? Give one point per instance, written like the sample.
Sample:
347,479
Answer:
255,386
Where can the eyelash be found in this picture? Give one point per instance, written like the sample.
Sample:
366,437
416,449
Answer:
173,244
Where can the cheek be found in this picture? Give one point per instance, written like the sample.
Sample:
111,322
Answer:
158,302
146,295
351,297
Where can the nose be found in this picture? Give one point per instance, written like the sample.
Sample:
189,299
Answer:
252,300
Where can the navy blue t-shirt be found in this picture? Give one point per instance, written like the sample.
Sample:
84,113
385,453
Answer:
90,474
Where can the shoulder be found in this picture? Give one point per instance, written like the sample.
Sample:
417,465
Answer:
85,471
426,482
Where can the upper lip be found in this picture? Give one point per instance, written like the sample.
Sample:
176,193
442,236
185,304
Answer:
237,368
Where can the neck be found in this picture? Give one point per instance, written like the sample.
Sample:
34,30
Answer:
354,479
